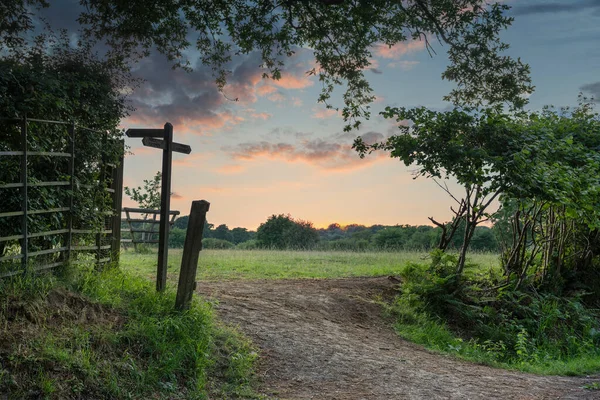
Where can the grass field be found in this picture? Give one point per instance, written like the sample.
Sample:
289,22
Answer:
271,264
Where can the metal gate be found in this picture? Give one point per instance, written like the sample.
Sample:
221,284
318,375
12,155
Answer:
60,195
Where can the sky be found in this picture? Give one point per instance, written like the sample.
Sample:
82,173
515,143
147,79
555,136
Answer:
278,151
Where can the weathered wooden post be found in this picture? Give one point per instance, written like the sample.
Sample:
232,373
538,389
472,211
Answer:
117,186
191,252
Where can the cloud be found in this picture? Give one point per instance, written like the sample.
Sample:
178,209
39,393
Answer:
293,82
230,169
399,49
404,65
555,7
323,113
593,88
176,196
192,99
266,89
333,154
277,97
190,160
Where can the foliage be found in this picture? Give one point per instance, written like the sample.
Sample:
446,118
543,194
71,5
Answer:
110,335
50,80
241,235
528,331
545,166
474,148
284,232
176,238
212,243
340,35
149,196
222,232
550,219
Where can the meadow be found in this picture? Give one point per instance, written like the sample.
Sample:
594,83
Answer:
275,264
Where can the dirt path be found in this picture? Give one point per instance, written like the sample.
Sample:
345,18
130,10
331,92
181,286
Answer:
326,339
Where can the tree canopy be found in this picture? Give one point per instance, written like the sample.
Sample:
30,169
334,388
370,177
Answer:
341,34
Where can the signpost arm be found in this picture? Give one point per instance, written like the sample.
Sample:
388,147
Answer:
165,205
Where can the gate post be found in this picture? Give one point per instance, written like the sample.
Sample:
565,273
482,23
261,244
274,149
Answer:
117,186
191,252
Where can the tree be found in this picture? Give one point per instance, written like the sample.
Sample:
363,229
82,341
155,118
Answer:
182,222
149,196
222,232
340,34
391,238
240,235
475,148
283,232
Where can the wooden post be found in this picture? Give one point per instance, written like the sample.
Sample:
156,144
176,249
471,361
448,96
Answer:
165,204
71,130
101,189
117,186
191,252
24,231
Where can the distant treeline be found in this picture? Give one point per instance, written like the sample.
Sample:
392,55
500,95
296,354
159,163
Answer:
286,233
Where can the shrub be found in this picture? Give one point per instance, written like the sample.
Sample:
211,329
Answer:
218,244
248,245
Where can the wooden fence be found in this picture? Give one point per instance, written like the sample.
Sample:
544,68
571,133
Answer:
60,201
143,227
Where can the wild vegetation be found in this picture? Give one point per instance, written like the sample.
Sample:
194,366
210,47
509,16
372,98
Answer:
540,311
84,334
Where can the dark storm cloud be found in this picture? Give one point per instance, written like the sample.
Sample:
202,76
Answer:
61,14
555,7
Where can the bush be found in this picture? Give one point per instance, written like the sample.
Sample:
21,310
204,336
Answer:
177,238
248,245
507,327
218,244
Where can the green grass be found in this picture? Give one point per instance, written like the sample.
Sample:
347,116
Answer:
110,335
272,264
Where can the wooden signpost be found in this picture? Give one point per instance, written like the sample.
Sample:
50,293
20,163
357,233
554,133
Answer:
150,138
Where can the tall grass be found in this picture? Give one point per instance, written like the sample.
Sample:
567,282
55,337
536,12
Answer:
131,345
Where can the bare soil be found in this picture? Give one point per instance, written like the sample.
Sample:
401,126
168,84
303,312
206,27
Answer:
328,339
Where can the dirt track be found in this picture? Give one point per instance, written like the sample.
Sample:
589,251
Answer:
326,339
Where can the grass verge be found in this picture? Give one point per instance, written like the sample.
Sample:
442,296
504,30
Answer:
526,331
110,335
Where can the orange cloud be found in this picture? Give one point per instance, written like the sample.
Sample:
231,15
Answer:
230,169
294,82
323,113
264,116
399,49
265,89
327,155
